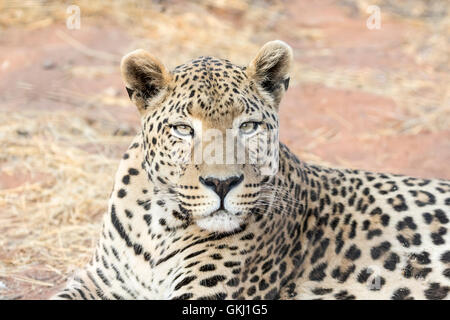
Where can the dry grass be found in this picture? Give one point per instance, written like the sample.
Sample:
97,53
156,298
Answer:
424,96
176,29
51,221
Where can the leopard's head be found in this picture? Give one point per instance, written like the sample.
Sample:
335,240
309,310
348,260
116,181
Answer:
210,130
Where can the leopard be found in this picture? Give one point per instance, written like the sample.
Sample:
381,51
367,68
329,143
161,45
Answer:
268,227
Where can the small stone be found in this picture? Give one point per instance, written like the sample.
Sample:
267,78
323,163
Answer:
112,92
124,130
23,133
49,64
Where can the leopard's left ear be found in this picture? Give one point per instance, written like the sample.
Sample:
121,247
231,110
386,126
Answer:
146,79
270,68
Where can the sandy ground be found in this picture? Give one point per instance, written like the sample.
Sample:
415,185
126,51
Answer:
368,99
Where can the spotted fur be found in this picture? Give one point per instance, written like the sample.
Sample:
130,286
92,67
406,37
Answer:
308,232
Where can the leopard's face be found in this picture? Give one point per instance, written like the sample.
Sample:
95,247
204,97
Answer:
210,132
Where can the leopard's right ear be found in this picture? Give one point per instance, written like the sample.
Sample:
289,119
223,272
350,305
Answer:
270,69
146,78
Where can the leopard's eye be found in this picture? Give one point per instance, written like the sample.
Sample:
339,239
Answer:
182,130
249,127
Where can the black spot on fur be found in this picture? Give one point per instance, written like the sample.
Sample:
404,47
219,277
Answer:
212,281
318,273
121,193
353,253
377,251
185,282
436,291
401,294
344,295
391,262
184,296
445,257
321,291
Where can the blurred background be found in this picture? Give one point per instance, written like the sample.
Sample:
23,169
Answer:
369,90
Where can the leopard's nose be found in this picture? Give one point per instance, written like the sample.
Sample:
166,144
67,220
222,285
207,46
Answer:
222,186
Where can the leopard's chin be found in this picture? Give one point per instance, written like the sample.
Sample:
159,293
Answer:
220,221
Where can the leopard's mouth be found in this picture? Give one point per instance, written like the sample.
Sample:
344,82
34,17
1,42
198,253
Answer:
220,220
223,212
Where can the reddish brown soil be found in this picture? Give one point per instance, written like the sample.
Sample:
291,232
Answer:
351,121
